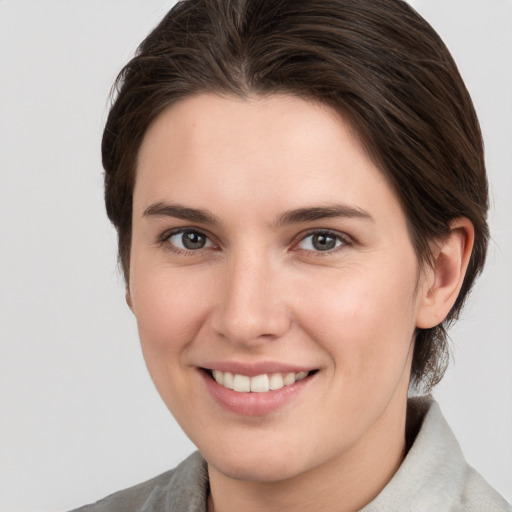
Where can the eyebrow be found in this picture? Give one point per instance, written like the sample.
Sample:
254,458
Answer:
296,216
180,212
322,212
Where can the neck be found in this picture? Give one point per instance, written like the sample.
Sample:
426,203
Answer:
343,484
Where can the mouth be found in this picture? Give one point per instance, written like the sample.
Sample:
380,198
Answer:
248,391
263,383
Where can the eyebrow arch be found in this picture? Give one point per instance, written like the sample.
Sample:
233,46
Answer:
180,212
321,212
308,214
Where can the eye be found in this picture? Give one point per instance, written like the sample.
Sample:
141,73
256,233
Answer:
189,240
321,241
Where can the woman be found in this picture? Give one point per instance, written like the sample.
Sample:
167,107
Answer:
300,198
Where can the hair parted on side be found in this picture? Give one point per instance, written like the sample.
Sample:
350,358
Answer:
377,62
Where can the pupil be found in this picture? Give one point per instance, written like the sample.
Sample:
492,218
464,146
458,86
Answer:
192,240
323,242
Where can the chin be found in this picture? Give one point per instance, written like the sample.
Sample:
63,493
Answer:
259,469
259,462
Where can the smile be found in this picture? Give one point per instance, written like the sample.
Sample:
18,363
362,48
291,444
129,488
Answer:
259,383
258,389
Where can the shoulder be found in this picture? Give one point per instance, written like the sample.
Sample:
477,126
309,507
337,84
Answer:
185,484
435,475
477,495
465,488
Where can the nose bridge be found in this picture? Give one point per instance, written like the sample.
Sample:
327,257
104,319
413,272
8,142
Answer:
251,307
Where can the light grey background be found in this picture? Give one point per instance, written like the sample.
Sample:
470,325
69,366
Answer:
79,417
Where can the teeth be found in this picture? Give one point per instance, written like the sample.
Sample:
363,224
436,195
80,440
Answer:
241,383
276,381
218,376
259,383
228,380
289,379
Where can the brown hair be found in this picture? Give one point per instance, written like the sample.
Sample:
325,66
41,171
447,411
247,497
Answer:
376,61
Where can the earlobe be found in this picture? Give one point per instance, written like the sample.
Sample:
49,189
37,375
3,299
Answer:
445,278
128,298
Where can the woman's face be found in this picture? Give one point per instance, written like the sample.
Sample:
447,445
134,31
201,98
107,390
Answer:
269,250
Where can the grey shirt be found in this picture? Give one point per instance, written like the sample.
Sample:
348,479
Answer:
434,476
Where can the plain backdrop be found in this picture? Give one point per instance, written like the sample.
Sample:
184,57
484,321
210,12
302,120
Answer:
79,417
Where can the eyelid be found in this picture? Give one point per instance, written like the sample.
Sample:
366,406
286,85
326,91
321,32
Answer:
164,239
342,237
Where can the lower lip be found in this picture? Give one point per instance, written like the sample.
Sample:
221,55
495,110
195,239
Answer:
253,404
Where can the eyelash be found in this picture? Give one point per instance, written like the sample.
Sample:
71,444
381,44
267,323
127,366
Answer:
338,237
164,240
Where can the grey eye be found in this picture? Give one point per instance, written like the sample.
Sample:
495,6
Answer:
320,242
189,240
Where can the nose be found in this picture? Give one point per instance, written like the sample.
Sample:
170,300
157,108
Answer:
251,306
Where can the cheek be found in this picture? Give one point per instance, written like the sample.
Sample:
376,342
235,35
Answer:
168,312
169,317
363,319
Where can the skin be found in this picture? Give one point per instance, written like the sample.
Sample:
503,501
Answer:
260,291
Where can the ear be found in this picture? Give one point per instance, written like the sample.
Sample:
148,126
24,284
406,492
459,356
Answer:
444,280
128,297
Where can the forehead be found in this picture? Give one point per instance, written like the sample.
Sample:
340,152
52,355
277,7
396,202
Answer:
227,124
278,152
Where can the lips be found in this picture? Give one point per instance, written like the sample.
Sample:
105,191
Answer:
255,390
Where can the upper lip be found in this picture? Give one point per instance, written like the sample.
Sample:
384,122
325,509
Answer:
256,368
